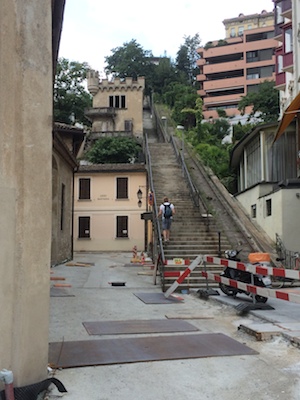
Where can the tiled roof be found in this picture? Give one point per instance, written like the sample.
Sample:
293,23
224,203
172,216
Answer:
112,168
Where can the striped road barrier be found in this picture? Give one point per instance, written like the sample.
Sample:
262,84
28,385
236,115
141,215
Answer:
255,269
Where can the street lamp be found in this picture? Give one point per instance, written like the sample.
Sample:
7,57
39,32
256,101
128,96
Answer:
164,119
181,128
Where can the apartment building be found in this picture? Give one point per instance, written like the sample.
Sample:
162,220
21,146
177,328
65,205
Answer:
232,67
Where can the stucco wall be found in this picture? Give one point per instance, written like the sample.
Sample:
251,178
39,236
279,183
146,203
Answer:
103,208
284,219
25,187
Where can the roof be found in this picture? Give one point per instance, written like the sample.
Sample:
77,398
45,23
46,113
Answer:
112,168
242,17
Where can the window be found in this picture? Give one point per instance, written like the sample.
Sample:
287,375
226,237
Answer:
128,125
252,56
269,207
288,40
122,188
253,211
122,227
117,101
84,188
62,206
232,32
84,227
241,30
279,63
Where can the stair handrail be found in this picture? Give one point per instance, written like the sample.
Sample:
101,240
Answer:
155,221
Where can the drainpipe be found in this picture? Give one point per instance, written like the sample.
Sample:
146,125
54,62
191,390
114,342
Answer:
8,378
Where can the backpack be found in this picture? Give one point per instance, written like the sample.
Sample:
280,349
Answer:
168,210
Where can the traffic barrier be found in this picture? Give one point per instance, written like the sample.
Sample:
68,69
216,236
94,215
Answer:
198,260
261,269
256,290
255,269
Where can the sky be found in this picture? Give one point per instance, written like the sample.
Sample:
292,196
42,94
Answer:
92,28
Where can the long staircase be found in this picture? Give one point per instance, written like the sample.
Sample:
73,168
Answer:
190,235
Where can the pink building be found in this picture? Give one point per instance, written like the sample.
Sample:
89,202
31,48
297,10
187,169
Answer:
232,67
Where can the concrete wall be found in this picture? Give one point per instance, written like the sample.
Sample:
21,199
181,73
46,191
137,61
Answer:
25,187
61,248
103,208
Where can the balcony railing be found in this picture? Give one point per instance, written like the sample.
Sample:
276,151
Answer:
288,61
280,79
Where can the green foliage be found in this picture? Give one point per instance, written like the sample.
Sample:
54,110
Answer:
70,95
239,131
187,56
179,97
208,45
164,75
265,102
221,113
114,150
131,60
216,158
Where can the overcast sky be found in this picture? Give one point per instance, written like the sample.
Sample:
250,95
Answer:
92,28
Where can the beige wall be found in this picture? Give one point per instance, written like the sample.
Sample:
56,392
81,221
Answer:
133,111
25,187
285,213
103,208
248,22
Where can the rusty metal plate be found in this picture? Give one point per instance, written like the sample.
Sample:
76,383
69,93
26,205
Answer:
142,349
158,298
138,326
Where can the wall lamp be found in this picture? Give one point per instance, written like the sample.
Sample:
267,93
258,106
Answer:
140,196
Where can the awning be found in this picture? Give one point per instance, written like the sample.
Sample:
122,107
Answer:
288,116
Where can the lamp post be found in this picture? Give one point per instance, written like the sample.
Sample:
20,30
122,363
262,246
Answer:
181,128
164,119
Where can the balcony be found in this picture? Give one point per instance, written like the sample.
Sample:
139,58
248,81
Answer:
278,32
201,78
288,62
286,10
94,113
280,81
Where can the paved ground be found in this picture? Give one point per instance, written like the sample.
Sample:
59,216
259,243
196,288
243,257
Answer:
273,373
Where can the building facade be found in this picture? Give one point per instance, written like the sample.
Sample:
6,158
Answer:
235,66
107,211
267,160
117,106
67,141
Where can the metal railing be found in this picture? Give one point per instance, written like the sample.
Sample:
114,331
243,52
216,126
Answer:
158,249
288,257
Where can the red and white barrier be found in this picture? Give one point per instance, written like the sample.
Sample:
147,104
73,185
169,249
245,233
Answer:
256,290
255,269
198,260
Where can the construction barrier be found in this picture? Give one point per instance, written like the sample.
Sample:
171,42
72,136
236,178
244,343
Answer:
198,260
254,269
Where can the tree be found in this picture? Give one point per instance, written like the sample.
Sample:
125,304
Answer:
130,60
265,102
187,56
70,96
114,150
